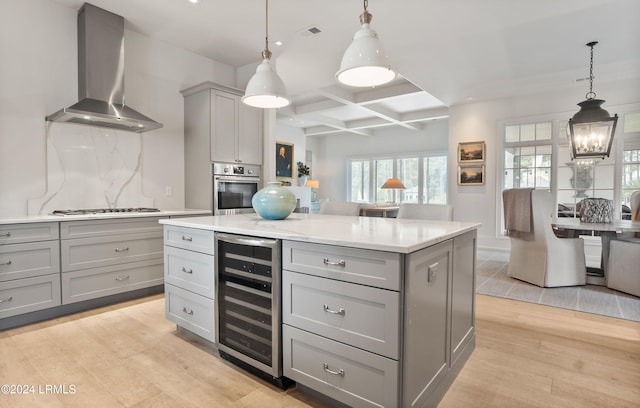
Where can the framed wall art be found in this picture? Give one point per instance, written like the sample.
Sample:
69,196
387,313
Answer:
469,152
284,160
471,175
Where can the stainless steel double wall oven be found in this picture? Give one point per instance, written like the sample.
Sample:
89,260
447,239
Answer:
233,187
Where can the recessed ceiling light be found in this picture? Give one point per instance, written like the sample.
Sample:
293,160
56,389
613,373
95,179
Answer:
194,1
278,43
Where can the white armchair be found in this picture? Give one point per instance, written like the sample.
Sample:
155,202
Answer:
435,212
623,272
539,256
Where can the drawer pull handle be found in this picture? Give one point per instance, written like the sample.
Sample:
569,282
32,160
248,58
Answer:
6,234
122,278
185,270
340,372
5,263
187,238
341,262
9,299
187,311
122,249
340,311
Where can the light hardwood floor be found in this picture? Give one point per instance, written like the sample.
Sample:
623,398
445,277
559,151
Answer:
129,355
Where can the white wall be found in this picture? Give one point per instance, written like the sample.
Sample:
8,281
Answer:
38,75
480,121
331,152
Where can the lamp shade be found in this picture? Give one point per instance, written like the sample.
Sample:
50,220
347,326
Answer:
393,183
313,183
265,89
365,63
591,130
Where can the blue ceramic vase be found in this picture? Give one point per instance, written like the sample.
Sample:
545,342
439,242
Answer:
274,202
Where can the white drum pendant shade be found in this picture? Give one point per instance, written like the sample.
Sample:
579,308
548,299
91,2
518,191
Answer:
365,63
265,89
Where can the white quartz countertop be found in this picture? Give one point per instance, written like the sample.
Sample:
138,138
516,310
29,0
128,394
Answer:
25,219
383,234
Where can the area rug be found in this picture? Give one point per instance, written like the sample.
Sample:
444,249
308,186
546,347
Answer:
492,280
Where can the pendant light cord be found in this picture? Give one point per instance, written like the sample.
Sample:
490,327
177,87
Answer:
266,54
591,95
366,17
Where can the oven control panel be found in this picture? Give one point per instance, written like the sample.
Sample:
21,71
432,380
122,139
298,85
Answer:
229,169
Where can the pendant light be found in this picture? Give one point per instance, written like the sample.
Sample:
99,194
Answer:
591,130
365,64
265,89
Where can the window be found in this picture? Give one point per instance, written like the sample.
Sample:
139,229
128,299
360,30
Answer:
527,155
537,155
630,175
434,190
359,180
424,176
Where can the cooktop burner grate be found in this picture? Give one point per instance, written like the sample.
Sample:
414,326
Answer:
104,211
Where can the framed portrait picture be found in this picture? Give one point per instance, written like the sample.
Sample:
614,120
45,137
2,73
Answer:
284,160
471,175
471,152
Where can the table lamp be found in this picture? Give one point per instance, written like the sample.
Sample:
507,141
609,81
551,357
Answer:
313,184
394,184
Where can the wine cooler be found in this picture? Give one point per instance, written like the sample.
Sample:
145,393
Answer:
248,303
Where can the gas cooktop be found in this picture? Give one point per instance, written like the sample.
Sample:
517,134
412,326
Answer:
104,211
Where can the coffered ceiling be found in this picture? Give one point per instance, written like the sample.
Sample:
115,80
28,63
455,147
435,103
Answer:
447,51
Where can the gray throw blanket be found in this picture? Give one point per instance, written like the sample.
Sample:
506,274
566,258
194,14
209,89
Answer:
517,212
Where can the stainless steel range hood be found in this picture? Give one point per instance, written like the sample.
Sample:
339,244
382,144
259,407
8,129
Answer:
101,76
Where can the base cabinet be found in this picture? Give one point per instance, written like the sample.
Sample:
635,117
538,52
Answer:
347,374
189,280
29,268
368,346
106,257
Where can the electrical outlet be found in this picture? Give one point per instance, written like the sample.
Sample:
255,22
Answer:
168,191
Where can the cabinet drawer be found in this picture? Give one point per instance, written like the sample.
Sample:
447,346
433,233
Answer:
97,282
111,250
190,311
189,270
367,379
367,267
16,233
29,294
95,228
189,238
29,259
361,316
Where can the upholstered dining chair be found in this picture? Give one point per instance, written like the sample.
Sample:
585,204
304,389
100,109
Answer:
537,255
340,208
623,273
435,212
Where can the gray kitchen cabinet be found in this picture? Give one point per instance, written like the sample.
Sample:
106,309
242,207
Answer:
29,268
189,280
26,295
34,232
463,291
106,257
110,280
341,327
217,128
378,329
426,340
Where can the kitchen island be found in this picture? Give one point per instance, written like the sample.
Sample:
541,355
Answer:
375,312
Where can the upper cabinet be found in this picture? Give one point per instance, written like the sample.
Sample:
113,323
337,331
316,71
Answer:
231,131
217,127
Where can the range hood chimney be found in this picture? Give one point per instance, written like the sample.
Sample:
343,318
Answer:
101,76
